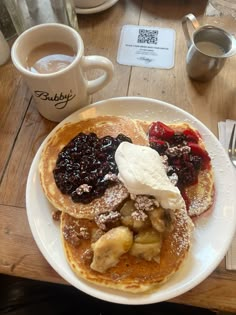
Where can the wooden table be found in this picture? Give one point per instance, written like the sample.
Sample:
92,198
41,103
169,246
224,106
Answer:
23,129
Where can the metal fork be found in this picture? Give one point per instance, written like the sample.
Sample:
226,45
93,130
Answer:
232,146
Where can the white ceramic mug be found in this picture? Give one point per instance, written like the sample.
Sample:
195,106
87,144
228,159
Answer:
60,93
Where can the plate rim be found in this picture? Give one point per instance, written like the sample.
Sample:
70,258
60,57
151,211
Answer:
104,6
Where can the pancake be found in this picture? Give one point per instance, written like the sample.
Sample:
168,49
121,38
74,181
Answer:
198,197
131,274
102,126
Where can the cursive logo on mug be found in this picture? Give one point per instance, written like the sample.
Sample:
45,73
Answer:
61,100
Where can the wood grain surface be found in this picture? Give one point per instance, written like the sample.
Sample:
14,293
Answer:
23,129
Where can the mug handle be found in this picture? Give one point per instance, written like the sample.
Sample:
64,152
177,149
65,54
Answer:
195,25
98,62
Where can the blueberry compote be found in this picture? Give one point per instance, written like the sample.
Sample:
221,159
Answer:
185,157
83,165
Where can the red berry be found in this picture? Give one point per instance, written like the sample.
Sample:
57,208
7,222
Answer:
191,135
177,163
159,145
155,140
161,131
197,150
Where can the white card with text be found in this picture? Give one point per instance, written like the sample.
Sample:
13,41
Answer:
146,46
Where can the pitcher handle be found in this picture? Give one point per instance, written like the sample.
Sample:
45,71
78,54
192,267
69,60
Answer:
189,17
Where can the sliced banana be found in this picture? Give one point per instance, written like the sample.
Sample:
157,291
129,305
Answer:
109,247
128,220
157,219
147,236
147,245
161,219
146,251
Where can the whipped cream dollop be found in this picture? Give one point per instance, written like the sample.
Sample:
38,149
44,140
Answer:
142,172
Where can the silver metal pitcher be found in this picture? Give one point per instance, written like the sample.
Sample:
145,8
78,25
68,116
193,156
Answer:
208,49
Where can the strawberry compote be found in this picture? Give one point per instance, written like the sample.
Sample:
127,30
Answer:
182,152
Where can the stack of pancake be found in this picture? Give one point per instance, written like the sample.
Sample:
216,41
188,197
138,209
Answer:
131,274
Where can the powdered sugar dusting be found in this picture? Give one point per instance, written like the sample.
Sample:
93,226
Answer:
181,237
139,215
112,197
201,197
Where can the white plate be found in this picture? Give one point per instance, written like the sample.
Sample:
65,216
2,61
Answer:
212,235
106,5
